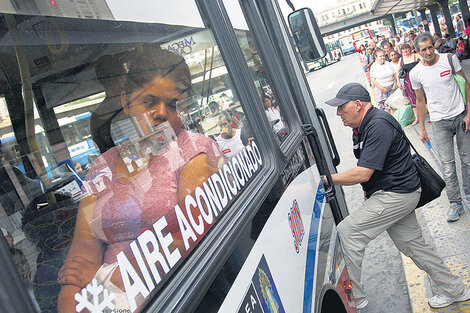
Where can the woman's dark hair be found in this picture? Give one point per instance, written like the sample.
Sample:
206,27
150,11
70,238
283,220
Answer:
144,66
265,96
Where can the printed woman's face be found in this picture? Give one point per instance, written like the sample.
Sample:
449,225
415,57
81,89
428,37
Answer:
157,99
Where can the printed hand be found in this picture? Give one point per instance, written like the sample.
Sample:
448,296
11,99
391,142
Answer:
77,271
466,119
423,136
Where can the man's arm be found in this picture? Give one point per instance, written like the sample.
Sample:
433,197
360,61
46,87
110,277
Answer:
421,108
353,176
467,93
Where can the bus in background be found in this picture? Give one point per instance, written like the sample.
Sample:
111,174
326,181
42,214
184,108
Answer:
333,52
347,45
361,37
333,55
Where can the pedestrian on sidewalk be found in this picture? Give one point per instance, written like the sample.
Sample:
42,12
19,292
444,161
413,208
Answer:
392,191
408,61
369,59
382,76
449,115
459,25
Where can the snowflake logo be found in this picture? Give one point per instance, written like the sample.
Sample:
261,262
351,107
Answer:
95,298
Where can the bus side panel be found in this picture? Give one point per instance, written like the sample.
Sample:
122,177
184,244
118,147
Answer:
279,275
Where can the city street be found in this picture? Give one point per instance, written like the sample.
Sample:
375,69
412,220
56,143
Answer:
383,274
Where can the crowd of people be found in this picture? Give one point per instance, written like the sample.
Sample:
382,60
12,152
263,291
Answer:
389,178
387,62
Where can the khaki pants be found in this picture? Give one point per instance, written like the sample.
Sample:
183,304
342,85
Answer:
393,212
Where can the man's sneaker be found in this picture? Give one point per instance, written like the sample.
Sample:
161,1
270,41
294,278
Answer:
362,304
441,300
454,212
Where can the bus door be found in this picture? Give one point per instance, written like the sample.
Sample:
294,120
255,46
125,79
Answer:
185,205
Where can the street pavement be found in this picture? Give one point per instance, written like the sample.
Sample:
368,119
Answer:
392,282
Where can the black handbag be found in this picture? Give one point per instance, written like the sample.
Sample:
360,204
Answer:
432,183
401,71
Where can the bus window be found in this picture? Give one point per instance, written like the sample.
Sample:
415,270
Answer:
142,148
272,107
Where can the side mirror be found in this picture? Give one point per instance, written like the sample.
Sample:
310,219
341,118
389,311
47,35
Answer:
307,35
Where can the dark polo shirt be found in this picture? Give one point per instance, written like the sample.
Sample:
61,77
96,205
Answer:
384,149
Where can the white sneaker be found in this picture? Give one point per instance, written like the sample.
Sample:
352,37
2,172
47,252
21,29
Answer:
362,304
441,300
453,214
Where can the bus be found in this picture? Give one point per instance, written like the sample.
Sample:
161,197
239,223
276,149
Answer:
333,55
185,205
347,45
409,23
361,37
334,52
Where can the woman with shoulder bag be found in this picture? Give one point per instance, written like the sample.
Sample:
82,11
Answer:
407,62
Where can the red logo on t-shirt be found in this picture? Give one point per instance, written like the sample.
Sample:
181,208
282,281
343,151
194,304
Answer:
445,73
225,151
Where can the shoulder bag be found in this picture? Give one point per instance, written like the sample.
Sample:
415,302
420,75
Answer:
459,79
402,71
431,183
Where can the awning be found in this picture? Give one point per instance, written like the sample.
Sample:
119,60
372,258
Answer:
384,7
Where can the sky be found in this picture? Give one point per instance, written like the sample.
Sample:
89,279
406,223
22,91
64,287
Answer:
153,11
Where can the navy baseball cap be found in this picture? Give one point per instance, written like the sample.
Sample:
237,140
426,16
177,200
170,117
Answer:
349,92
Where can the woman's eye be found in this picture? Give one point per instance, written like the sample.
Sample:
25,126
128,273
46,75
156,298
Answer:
148,102
172,103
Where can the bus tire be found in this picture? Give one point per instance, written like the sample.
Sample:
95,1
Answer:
331,302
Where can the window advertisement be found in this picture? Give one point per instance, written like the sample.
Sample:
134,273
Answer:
122,145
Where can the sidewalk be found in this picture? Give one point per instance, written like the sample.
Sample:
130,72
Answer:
451,240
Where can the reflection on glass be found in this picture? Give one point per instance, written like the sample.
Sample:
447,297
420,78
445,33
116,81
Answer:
169,161
229,140
260,79
143,147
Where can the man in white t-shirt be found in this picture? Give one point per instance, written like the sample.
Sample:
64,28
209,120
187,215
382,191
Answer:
448,113
229,140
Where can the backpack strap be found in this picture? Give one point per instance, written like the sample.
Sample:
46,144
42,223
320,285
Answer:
449,58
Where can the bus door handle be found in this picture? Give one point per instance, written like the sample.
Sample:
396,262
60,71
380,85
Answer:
331,143
311,133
